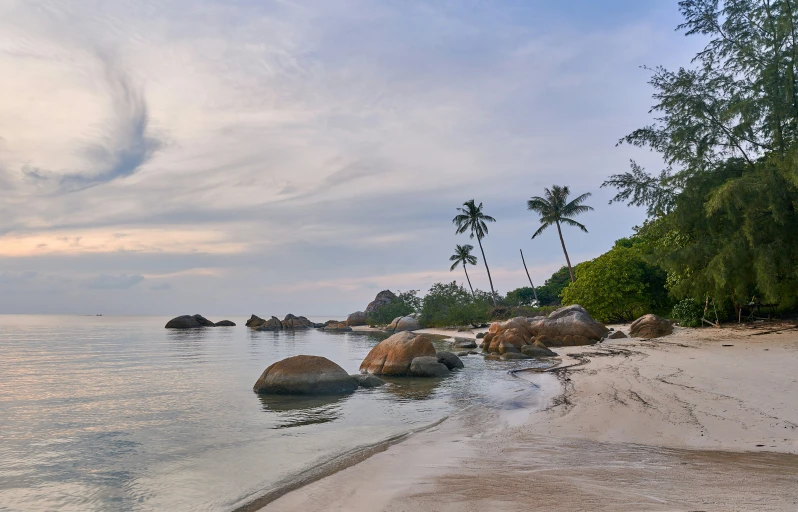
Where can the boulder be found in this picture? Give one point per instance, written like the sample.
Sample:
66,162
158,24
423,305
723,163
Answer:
296,322
480,335
367,380
305,375
464,343
255,321
570,320
225,323
404,323
189,322
272,324
428,366
650,326
338,327
393,355
382,298
537,349
615,335
451,361
356,318
508,356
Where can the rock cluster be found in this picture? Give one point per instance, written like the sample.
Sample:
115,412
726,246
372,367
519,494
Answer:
195,321
275,324
337,327
408,354
650,326
568,326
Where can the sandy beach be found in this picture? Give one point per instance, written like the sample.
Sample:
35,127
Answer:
699,420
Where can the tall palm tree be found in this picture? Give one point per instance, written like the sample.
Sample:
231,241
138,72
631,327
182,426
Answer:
553,208
472,219
462,255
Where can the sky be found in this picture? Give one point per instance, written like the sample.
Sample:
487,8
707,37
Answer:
234,157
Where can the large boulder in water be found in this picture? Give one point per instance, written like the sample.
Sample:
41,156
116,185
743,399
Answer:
650,326
305,375
404,323
427,366
297,322
189,322
393,356
225,323
382,298
356,318
255,321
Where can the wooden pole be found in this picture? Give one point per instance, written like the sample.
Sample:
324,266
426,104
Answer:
527,276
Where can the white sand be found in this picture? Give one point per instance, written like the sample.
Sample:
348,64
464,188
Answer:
669,424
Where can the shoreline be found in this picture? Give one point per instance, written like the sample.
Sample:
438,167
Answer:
651,416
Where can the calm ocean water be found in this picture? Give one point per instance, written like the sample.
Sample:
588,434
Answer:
120,414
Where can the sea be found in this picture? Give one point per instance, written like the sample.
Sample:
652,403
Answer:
117,413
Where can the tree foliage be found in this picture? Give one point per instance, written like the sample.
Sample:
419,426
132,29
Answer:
722,213
473,220
447,304
619,285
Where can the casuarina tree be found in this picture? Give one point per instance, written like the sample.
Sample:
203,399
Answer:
555,209
472,219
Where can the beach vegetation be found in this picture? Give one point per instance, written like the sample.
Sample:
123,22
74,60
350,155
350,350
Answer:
620,285
449,304
687,312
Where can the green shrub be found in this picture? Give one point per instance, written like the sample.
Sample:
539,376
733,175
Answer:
524,296
618,285
404,304
688,313
450,304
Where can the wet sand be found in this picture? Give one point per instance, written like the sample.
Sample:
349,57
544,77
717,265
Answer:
680,423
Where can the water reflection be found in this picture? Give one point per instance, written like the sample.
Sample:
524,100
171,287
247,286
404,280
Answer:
297,411
188,344
412,388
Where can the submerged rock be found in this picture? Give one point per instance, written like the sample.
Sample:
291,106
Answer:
367,380
650,326
462,343
305,375
393,356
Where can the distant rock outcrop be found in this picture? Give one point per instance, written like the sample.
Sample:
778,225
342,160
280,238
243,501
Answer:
189,322
337,327
225,323
650,326
356,318
305,375
275,324
382,298
297,322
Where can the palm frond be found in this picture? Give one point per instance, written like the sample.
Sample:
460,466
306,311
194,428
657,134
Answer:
541,229
573,223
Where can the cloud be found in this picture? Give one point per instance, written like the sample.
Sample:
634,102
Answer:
161,287
111,282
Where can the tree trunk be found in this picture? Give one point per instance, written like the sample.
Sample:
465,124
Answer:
527,276
468,279
567,259
492,291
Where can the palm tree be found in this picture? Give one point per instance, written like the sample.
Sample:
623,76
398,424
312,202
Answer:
472,219
462,255
554,209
